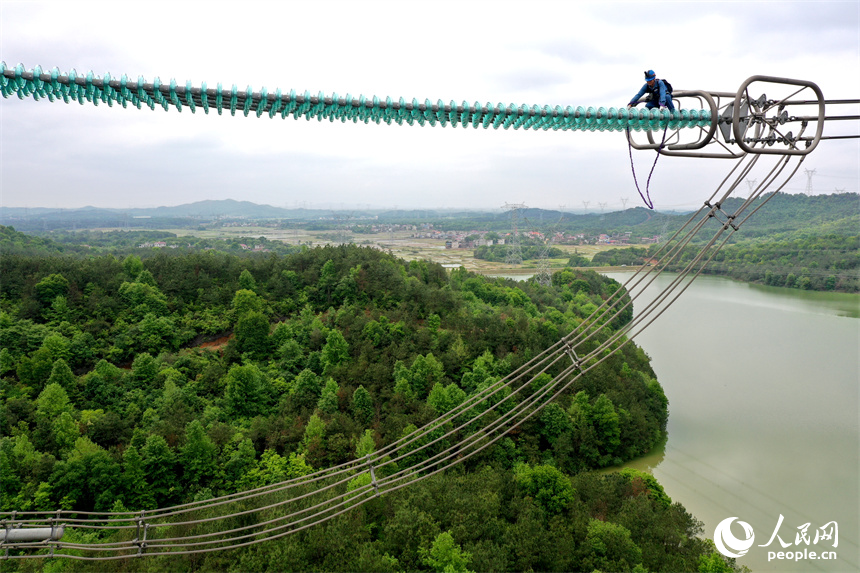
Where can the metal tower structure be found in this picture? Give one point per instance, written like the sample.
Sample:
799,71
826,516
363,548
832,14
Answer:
342,235
809,174
515,253
543,275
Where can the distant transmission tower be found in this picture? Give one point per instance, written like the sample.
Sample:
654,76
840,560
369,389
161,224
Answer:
751,183
543,276
341,234
809,174
663,231
585,203
624,201
515,253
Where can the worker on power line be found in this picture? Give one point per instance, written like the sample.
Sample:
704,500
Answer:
660,92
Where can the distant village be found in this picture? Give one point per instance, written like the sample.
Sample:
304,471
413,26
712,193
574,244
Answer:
164,245
473,239
456,239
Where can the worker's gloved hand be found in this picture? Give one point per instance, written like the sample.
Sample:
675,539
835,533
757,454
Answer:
662,107
629,105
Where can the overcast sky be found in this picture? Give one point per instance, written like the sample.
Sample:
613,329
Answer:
555,53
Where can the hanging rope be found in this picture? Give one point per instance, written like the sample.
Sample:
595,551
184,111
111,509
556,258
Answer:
647,197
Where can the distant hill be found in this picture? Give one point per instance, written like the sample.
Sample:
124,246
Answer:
782,215
42,219
13,242
836,213
207,209
229,208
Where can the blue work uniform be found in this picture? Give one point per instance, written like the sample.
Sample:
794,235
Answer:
659,96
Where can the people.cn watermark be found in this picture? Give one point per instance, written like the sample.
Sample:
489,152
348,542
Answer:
731,546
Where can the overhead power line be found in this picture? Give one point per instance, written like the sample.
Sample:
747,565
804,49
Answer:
250,517
281,509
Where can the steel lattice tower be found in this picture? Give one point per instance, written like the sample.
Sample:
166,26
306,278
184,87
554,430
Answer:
809,174
341,233
543,276
515,253
751,183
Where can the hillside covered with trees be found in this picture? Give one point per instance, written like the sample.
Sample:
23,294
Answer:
816,262
130,383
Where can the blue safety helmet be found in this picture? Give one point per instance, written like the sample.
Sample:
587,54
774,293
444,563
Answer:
650,75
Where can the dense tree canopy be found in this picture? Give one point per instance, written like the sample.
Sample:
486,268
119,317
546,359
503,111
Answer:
189,375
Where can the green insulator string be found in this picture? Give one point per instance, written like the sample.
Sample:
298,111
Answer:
71,86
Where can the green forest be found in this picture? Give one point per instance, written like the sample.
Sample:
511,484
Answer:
498,253
134,382
89,242
817,262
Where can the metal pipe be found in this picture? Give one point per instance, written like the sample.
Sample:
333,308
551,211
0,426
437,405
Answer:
829,137
826,118
31,534
827,101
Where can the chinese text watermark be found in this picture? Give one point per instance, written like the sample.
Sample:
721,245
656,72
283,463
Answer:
827,535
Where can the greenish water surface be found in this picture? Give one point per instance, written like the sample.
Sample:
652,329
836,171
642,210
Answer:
763,395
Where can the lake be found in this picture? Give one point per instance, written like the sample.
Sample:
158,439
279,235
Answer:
763,414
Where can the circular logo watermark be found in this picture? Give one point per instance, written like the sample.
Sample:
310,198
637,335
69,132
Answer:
727,543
